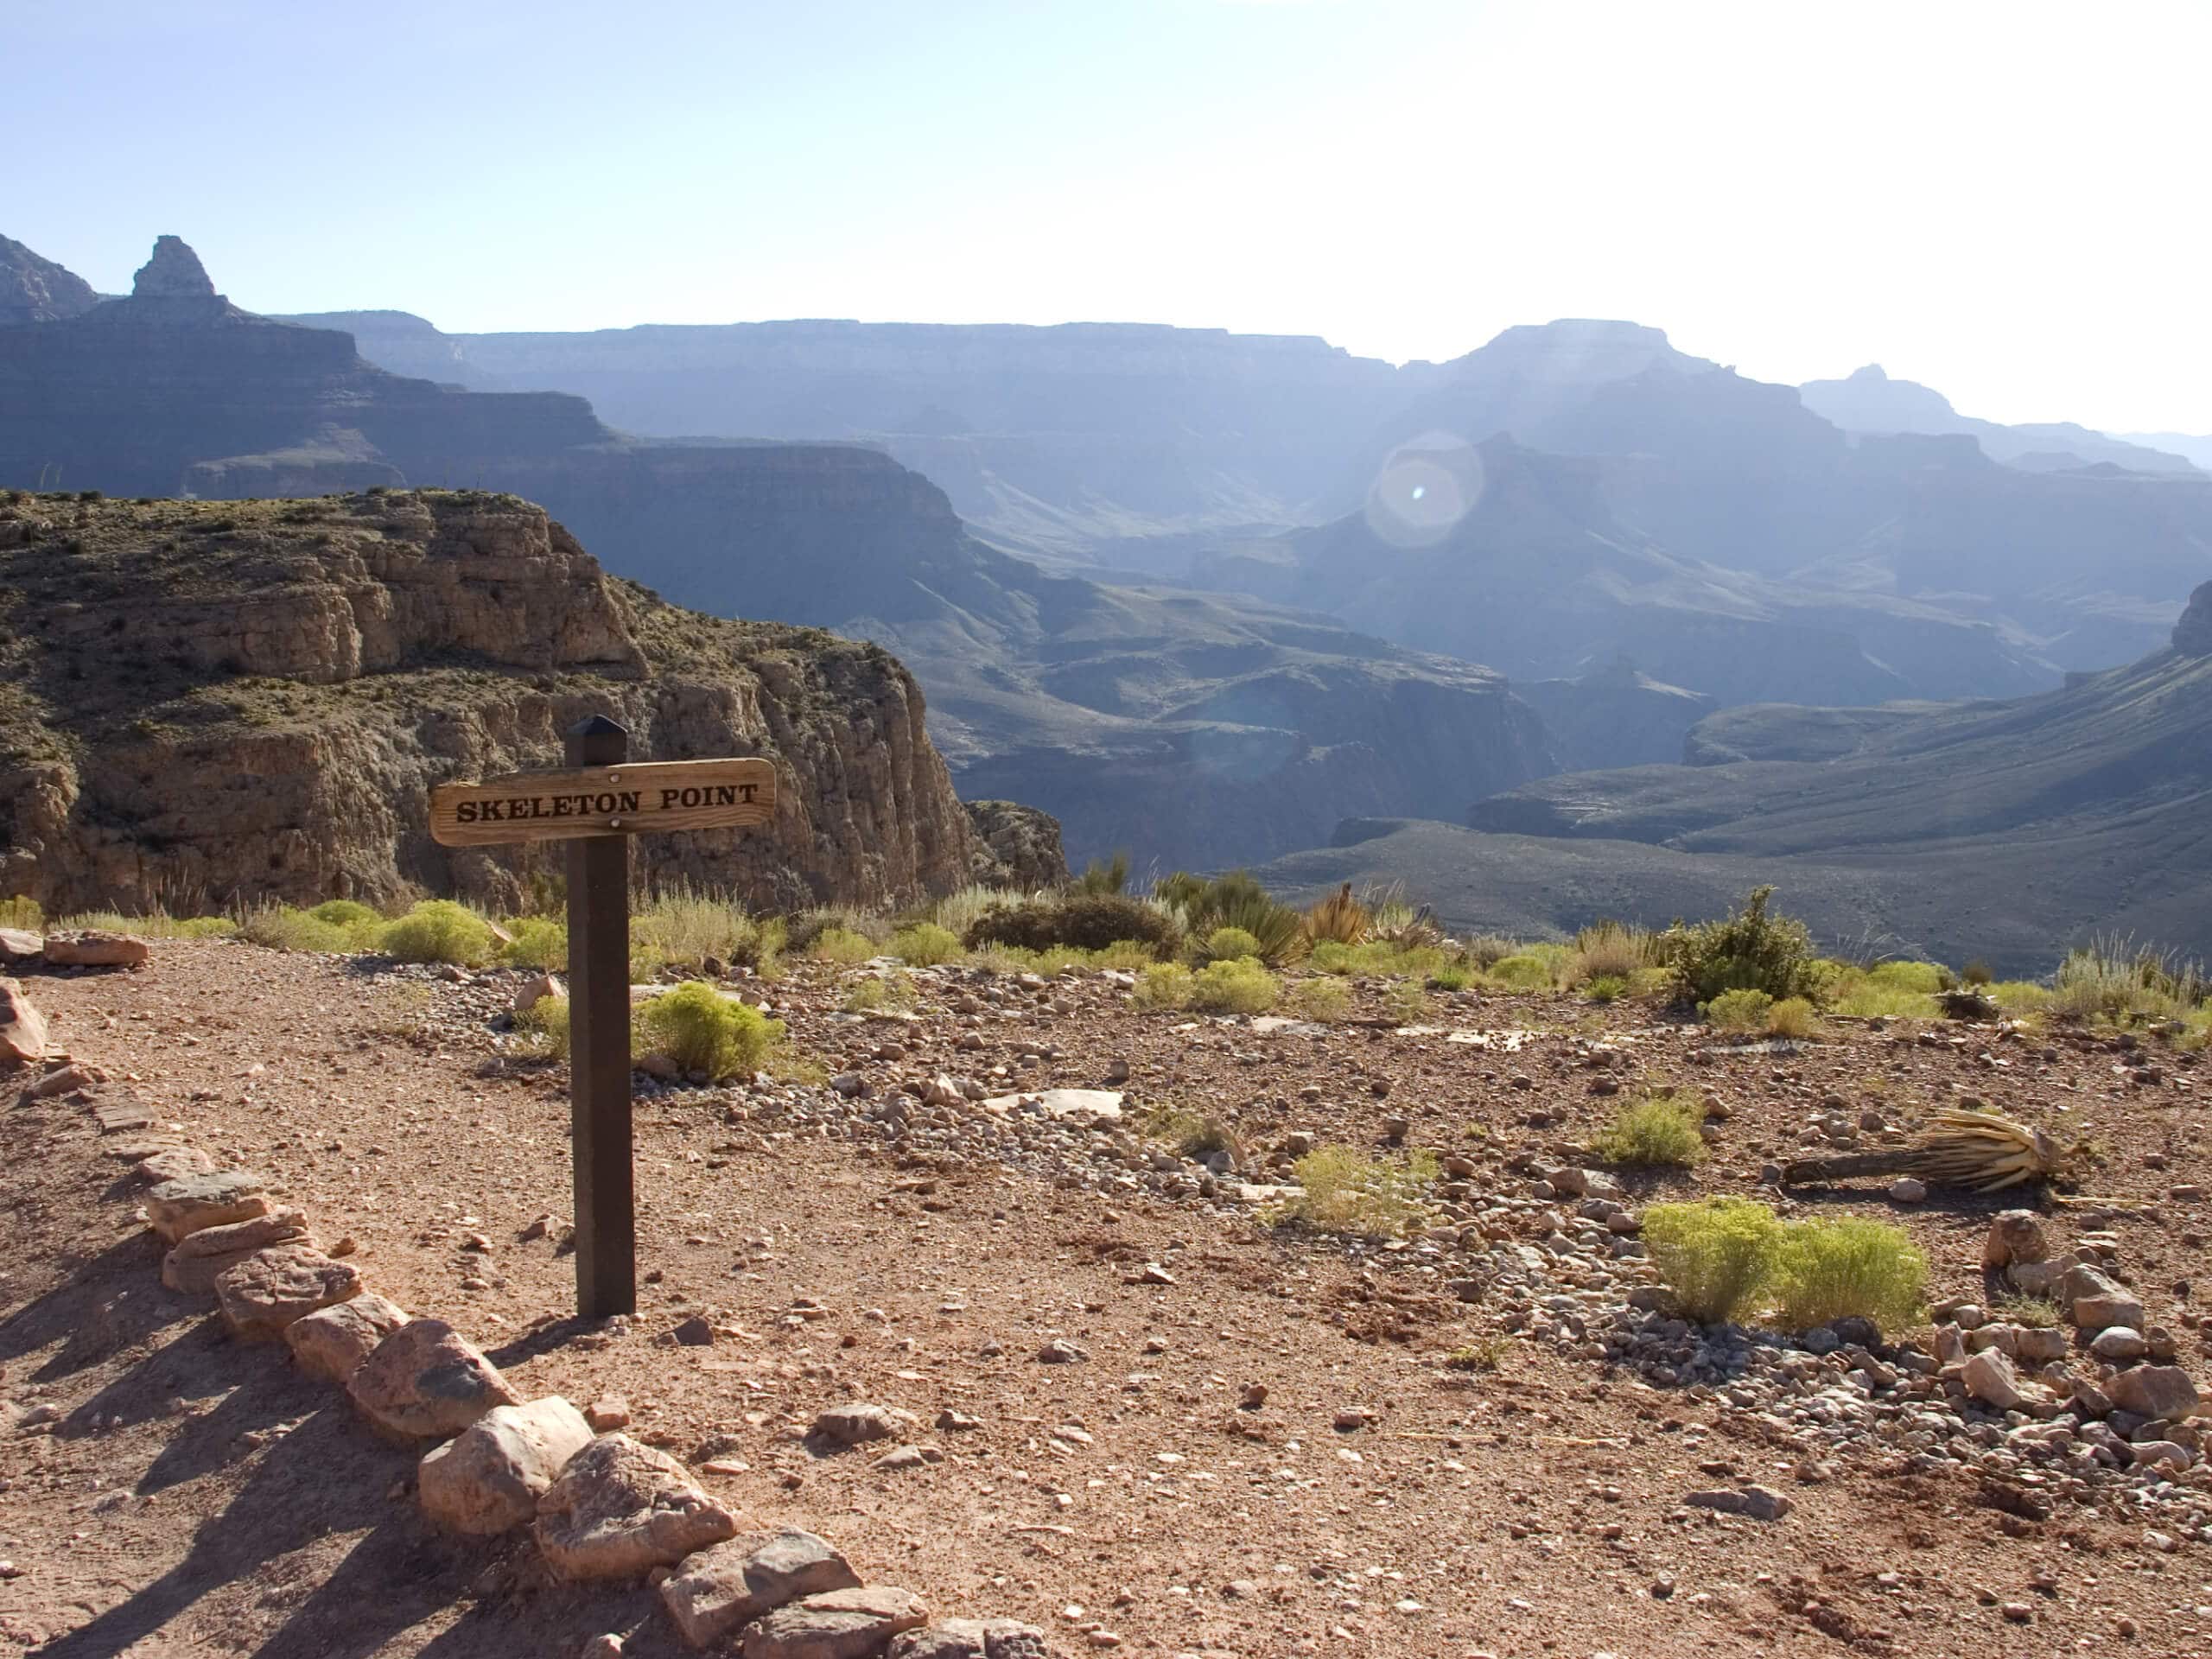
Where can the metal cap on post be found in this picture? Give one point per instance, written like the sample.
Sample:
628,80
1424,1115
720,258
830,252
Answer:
599,1054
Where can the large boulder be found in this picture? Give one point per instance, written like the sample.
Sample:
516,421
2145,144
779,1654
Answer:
22,1028
332,1342
425,1382
262,1295
192,1204
619,1509
487,1478
202,1258
719,1589
1990,1378
837,1625
2160,1393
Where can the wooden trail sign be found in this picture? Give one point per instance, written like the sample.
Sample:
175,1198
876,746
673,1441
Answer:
596,805
653,795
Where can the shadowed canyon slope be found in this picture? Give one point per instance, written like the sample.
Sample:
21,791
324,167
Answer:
1999,829
210,704
1190,730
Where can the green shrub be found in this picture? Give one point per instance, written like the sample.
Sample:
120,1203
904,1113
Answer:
437,929
280,927
874,995
1718,1255
1194,1135
1606,988
2114,979
1750,950
1827,1270
539,942
701,1030
1226,945
1486,951
1660,1130
803,930
925,944
1236,901
1163,985
1857,997
1607,950
1239,987
847,949
1738,1010
24,913
2018,996
681,926
1405,1002
545,1022
1452,976
347,913
1111,876
1926,977
1523,972
1323,1000
1086,921
1341,1191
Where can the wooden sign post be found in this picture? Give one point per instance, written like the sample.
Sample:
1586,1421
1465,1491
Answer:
596,805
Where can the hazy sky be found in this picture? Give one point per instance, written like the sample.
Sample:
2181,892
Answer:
2005,200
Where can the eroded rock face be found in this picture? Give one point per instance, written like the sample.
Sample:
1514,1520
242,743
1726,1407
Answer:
359,603
487,1478
173,273
22,1028
620,1510
33,289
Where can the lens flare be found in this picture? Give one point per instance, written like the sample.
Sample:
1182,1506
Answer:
1425,489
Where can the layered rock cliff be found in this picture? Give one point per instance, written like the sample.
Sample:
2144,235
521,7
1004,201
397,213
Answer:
205,705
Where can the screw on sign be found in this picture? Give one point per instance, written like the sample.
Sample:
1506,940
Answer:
595,804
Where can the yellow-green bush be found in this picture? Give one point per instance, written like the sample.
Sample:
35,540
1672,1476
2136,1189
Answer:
1607,950
2018,996
1738,1010
1486,951
539,942
1659,1130
1452,976
1340,918
1163,985
843,947
1827,1270
1718,1255
1926,977
345,913
1323,1000
438,929
1405,1002
1792,1017
280,927
21,911
701,1030
1239,987
1857,997
681,926
153,924
1525,971
1342,1192
1225,945
874,995
1192,1133
1606,988
925,944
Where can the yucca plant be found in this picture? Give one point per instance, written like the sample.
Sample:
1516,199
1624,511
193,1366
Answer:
1340,918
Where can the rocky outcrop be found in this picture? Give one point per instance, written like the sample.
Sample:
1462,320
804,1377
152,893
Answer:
35,289
1021,845
173,273
2193,633
219,704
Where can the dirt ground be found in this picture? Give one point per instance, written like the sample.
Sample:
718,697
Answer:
198,1496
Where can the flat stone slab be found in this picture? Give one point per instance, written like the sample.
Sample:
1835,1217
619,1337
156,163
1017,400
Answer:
837,1625
487,1479
174,1164
719,1589
203,1257
181,1208
331,1342
425,1382
1059,1103
264,1293
973,1639
124,1116
621,1508
95,949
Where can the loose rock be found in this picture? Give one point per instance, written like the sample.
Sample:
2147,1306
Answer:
838,1624
181,1208
619,1508
2160,1393
22,1028
332,1341
488,1477
202,1257
260,1296
425,1382
95,949
722,1588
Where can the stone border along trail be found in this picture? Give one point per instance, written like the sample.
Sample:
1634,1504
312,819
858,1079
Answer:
599,1504
1546,1247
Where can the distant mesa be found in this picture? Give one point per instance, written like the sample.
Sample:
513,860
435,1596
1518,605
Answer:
174,273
